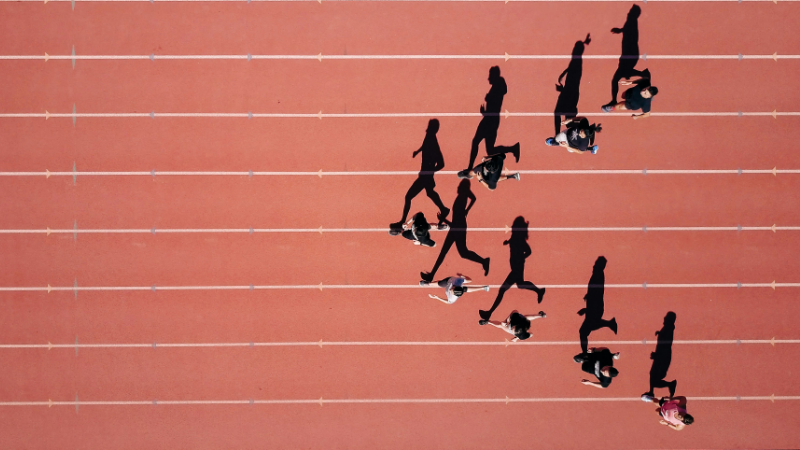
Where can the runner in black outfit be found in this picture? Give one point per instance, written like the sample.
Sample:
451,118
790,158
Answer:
418,230
520,250
595,306
432,162
600,363
515,324
578,137
458,232
487,129
640,96
490,171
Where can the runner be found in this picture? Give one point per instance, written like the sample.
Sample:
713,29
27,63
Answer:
515,324
417,229
578,137
640,96
600,363
490,172
672,410
454,288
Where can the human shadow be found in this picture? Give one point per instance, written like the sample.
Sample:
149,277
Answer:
457,234
662,357
630,51
432,162
490,123
570,91
595,305
520,251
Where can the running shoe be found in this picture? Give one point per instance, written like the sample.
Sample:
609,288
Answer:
594,149
608,108
551,142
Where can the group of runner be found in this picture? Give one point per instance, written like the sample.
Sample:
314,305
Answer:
579,137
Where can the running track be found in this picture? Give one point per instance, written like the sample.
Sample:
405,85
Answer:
292,364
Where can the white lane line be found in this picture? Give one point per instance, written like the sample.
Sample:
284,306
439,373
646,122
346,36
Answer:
429,1
320,173
350,401
322,344
74,231
320,57
320,115
154,288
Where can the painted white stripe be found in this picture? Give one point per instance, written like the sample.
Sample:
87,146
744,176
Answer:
432,1
376,115
154,288
322,230
320,173
317,57
350,401
323,344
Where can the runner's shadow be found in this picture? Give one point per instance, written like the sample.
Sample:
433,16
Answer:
630,50
457,234
570,91
662,357
595,304
432,162
520,251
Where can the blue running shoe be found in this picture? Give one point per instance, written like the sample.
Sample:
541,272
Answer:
594,149
551,142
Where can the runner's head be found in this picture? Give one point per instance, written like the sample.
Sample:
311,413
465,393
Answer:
593,129
458,291
649,92
522,334
610,371
687,419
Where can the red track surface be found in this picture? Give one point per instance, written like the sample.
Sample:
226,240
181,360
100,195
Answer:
357,144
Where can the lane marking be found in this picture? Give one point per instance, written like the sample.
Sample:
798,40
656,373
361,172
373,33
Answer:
738,285
319,57
353,401
247,115
456,1
251,173
75,231
188,345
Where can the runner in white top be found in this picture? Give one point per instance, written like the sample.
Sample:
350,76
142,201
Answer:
454,288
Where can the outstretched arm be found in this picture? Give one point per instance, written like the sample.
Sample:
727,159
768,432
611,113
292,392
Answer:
592,383
437,298
641,116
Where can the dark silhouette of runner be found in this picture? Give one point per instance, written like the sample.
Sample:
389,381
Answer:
570,91
630,51
432,162
662,357
595,306
520,250
487,128
458,232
